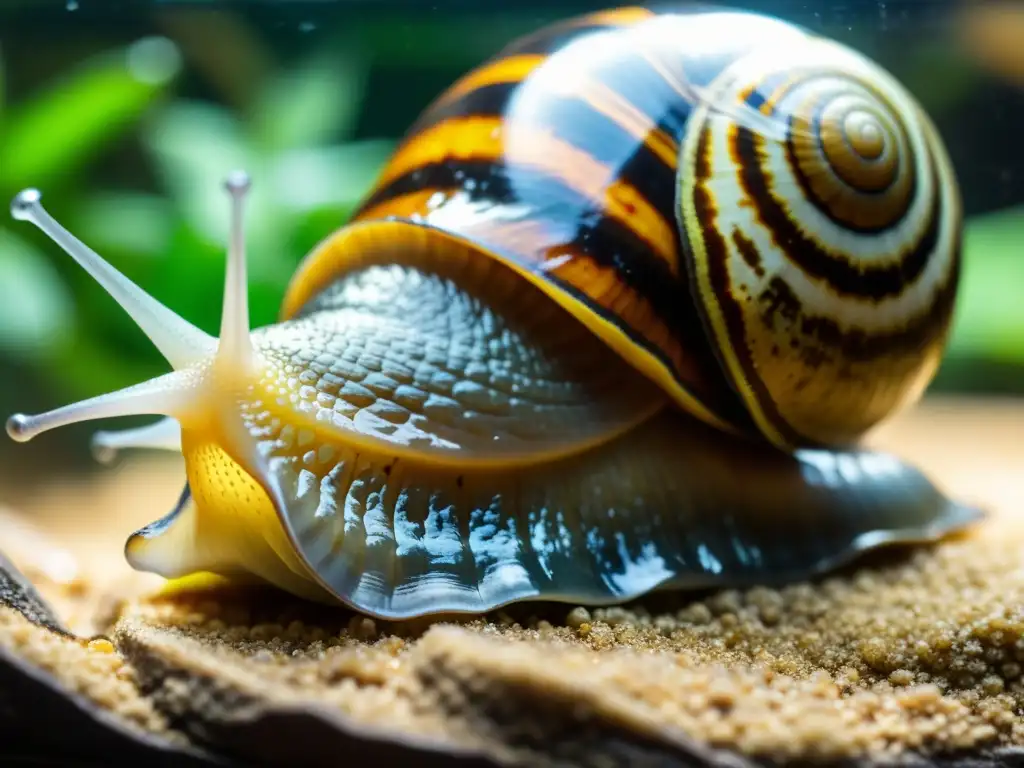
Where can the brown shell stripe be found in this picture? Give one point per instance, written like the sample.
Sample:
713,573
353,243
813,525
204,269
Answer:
779,298
875,282
594,160
475,139
543,240
866,191
878,281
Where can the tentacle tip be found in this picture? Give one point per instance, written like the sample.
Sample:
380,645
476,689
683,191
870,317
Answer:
237,183
102,451
25,204
19,427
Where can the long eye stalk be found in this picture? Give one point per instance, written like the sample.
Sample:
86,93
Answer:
178,340
235,345
189,350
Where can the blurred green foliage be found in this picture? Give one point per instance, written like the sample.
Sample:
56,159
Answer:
292,135
207,95
101,100
990,317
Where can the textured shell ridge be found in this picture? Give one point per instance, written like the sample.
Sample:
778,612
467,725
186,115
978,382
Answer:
445,357
613,319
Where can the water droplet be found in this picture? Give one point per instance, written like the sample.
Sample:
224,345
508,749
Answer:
307,26
436,200
72,5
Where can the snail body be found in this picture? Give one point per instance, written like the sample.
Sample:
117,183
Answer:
614,318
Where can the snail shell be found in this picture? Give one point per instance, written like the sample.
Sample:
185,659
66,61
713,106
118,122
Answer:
614,318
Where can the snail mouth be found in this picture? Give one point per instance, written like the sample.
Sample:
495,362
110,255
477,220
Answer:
224,524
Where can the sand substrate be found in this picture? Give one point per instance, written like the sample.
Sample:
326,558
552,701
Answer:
907,657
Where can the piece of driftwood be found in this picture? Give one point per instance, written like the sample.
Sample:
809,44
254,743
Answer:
44,723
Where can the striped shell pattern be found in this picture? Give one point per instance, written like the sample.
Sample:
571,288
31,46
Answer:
761,220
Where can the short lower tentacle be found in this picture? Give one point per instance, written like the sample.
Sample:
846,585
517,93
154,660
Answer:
164,434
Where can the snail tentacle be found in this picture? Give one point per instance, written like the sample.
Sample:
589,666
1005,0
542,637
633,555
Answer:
164,434
208,375
611,319
180,342
235,351
170,394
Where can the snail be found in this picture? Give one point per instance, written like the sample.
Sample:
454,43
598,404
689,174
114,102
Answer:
615,318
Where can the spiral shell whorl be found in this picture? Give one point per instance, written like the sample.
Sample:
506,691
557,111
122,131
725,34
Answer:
850,154
822,221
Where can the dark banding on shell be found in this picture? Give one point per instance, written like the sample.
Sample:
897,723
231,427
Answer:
565,160
819,163
562,153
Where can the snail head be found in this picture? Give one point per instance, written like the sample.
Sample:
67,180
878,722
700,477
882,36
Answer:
207,401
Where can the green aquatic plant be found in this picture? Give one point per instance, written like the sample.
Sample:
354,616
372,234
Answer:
101,99
296,139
